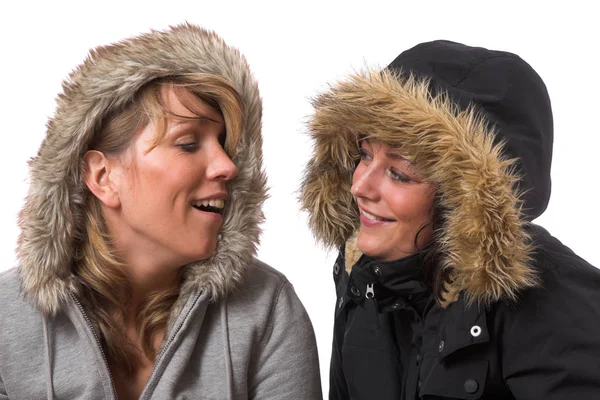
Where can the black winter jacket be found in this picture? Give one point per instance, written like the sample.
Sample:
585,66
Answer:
543,346
520,315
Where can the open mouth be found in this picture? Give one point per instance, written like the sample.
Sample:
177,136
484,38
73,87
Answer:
213,206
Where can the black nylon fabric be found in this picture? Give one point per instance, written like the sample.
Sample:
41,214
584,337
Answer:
545,346
508,92
384,327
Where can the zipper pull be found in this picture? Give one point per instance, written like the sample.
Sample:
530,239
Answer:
370,293
371,308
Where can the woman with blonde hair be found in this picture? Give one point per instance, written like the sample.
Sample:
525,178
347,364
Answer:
137,276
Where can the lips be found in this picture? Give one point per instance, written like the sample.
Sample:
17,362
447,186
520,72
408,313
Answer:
371,220
374,217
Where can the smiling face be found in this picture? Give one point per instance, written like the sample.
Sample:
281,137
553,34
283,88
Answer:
394,201
171,194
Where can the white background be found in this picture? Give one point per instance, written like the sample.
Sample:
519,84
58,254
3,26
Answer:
295,49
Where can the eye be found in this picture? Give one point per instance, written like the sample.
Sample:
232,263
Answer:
188,147
398,176
364,154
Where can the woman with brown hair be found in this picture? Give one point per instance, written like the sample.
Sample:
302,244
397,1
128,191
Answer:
137,275
427,176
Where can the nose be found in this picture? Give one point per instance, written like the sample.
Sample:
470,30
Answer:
221,167
365,182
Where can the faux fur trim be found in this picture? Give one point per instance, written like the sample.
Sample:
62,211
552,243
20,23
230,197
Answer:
484,242
351,252
107,79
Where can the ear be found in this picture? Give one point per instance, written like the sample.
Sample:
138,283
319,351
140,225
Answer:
97,177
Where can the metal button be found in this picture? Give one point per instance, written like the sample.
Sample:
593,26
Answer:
471,385
475,331
441,346
336,268
354,290
377,270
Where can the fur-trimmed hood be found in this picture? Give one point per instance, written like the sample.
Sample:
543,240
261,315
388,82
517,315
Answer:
477,123
110,76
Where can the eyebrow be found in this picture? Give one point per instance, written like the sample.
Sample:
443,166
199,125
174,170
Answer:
395,156
178,122
391,154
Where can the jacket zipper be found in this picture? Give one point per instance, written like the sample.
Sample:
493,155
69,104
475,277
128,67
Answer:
370,293
167,344
87,319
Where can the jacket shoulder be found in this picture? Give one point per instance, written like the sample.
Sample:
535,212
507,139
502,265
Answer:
14,304
264,293
551,328
262,281
20,321
264,270
567,294
559,268
11,296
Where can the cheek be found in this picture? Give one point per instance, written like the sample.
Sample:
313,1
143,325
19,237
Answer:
411,206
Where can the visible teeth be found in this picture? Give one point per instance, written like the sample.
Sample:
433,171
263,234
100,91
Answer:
217,203
370,216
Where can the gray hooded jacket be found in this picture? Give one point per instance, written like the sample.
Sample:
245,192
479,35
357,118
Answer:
237,331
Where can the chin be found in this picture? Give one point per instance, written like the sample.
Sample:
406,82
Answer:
369,246
203,253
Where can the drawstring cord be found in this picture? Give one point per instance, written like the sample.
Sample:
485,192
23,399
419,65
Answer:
48,348
227,350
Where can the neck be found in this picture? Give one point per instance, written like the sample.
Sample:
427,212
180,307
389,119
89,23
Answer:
144,280
147,269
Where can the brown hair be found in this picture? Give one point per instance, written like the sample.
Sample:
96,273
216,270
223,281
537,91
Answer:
433,272
97,266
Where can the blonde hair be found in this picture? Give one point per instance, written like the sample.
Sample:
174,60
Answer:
98,268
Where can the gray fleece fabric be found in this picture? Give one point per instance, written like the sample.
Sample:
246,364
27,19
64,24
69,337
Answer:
257,343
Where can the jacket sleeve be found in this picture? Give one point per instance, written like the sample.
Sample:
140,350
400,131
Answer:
287,364
552,347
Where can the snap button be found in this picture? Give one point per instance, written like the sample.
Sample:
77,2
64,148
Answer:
377,270
354,290
441,346
336,268
475,331
471,385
